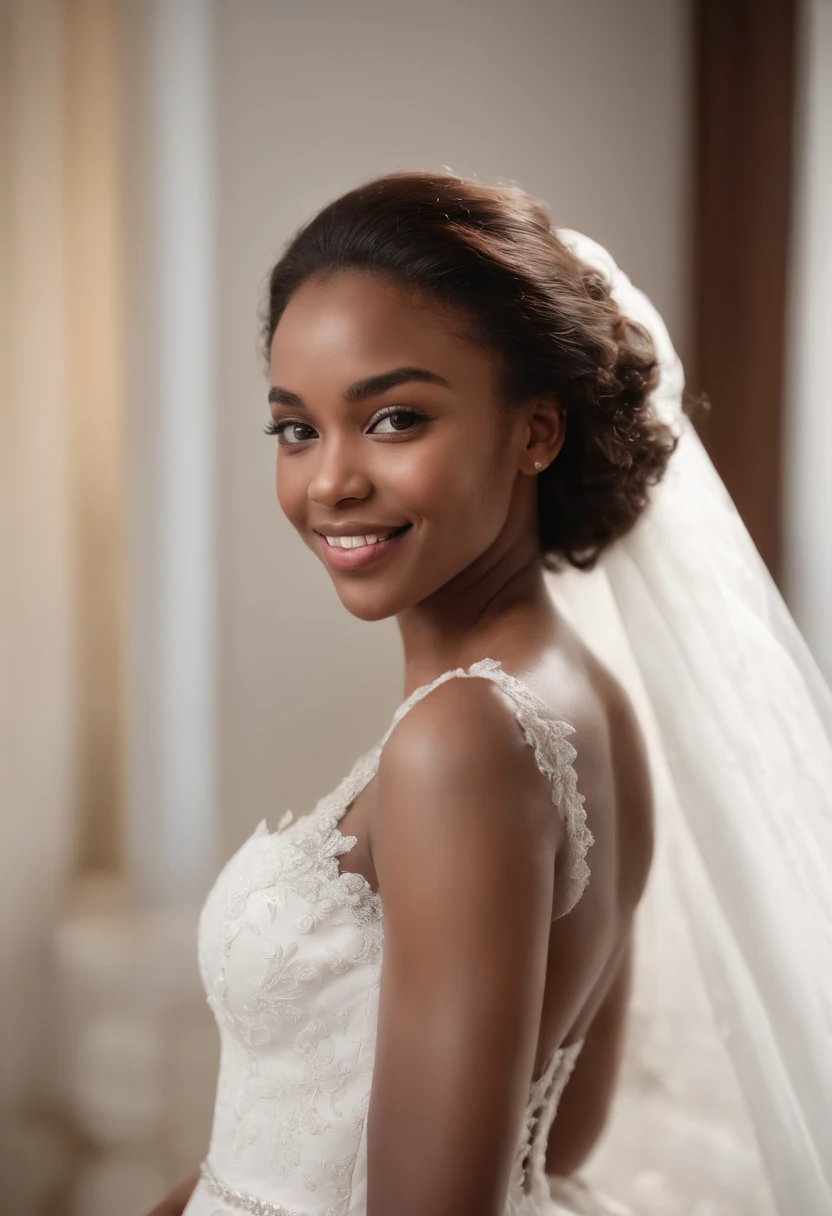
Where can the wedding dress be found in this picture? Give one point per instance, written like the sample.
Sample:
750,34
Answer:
290,951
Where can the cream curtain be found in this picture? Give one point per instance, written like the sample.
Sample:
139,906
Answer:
60,542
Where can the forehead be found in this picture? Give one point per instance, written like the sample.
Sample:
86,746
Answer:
359,324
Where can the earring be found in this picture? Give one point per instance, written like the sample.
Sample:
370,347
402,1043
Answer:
538,465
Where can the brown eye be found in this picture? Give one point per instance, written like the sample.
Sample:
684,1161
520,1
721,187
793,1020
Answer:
399,420
290,432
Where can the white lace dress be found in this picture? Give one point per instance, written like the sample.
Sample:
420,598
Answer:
290,951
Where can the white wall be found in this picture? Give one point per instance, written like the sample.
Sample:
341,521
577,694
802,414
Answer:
584,104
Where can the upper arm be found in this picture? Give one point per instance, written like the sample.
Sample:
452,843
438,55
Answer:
463,845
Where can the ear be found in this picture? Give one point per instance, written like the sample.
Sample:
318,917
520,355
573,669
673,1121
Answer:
546,431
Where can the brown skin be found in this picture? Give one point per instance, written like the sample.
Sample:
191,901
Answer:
470,498
456,830
176,1200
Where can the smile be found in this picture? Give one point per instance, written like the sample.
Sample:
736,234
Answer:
354,542
350,552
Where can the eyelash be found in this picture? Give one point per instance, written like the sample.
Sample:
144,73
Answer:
277,428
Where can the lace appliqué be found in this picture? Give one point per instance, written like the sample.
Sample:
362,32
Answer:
541,1108
285,1105
304,863
549,737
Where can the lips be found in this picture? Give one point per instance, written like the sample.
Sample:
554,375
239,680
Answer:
349,541
361,555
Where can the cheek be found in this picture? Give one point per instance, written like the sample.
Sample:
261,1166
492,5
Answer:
428,480
291,491
459,487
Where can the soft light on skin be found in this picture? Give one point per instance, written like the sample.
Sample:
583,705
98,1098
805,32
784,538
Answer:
462,478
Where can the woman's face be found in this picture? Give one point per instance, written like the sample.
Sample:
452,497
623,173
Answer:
388,424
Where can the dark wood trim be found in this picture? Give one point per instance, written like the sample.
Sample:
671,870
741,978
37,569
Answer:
744,81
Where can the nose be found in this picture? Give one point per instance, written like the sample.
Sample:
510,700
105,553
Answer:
338,475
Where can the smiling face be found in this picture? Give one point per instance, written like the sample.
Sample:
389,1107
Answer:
387,421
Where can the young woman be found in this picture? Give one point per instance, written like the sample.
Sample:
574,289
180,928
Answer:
406,979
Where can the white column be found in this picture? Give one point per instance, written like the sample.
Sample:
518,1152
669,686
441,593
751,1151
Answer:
808,431
140,1041
170,439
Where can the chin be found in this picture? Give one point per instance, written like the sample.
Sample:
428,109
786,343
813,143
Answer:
371,608
372,603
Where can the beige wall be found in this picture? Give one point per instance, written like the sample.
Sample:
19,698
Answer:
584,104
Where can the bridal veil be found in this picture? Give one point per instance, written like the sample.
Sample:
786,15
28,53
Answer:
739,727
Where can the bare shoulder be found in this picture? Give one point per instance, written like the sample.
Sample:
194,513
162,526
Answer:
633,786
457,774
463,738
460,721
628,744
615,707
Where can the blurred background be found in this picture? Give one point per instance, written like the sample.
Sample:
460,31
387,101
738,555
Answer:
174,666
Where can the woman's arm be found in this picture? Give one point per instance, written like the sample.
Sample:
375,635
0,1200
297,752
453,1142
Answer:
464,844
586,1101
175,1202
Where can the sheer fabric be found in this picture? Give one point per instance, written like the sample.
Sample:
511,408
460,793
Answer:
740,722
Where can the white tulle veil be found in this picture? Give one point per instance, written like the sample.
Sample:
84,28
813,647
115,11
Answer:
739,726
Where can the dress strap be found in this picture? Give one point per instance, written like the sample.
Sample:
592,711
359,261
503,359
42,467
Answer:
548,736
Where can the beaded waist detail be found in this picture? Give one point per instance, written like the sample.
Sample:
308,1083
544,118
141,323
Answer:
244,1201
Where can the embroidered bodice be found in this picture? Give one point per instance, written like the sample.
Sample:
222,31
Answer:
290,952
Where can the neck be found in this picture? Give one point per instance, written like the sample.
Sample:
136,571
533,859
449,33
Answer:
485,611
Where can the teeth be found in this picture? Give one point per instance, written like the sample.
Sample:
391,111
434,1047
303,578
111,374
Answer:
350,542
354,542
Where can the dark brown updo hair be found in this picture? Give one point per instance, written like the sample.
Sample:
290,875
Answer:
490,254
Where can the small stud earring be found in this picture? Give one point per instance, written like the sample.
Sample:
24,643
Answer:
538,465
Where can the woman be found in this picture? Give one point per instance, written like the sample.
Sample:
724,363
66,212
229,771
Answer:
459,404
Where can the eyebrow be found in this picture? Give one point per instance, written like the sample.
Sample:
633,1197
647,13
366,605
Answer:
372,386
